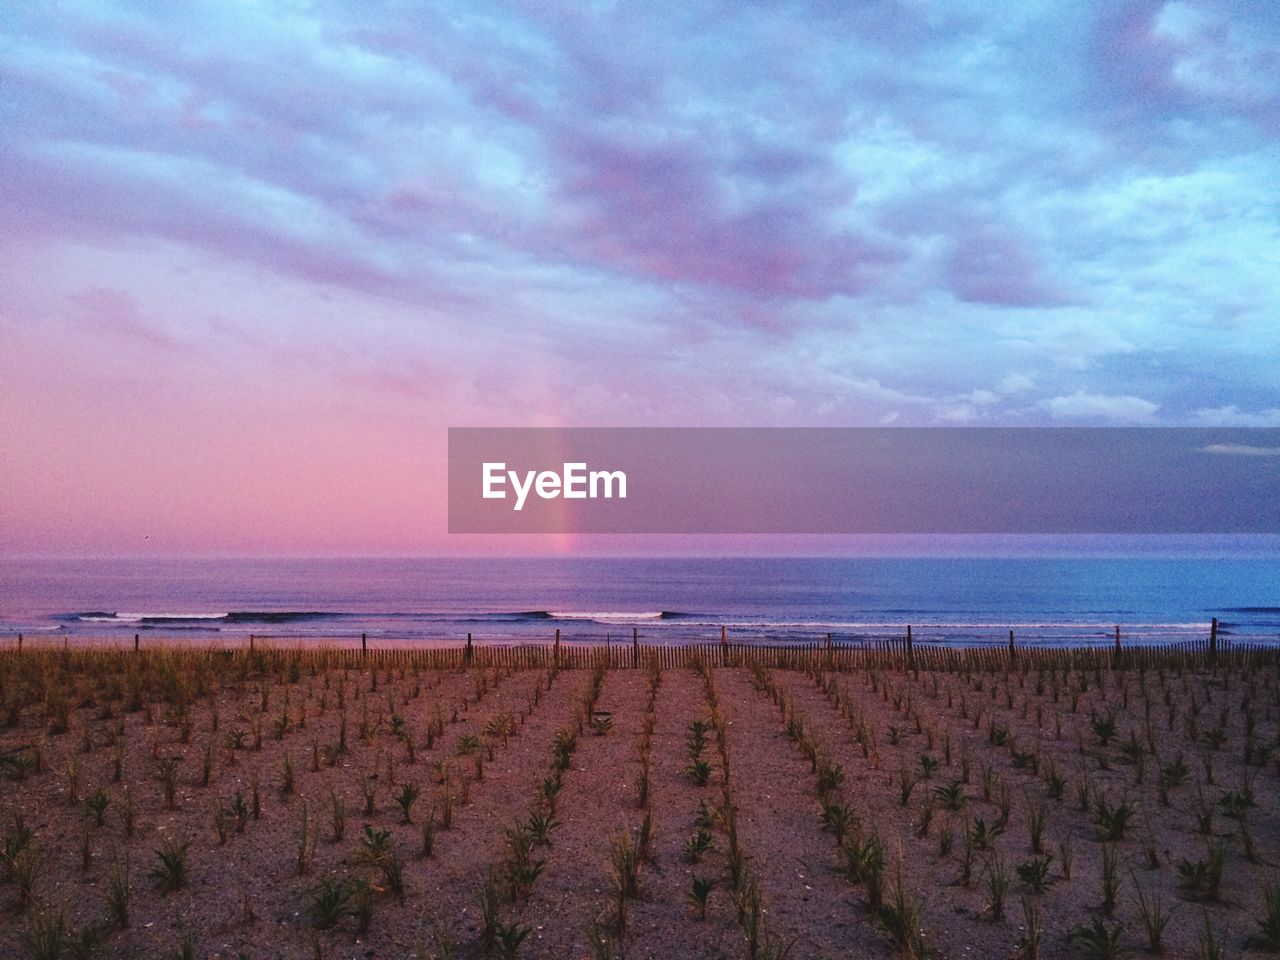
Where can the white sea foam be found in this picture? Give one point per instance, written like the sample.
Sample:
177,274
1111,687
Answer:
608,616
140,617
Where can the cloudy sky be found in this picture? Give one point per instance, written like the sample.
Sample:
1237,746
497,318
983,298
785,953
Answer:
255,258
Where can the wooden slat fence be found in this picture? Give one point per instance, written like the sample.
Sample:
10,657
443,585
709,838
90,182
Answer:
878,655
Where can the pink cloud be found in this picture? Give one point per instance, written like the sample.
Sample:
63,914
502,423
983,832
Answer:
662,211
116,313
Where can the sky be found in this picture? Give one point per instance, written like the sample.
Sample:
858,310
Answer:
256,258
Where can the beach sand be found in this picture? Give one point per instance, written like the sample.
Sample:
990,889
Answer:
997,745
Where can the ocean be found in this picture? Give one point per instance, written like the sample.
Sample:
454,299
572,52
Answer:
755,600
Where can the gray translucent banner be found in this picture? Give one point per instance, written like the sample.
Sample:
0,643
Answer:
864,480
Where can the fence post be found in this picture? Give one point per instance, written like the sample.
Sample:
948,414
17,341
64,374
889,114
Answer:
557,647
1012,650
910,652
251,643
19,641
635,646
135,643
724,646
364,645
1213,639
470,653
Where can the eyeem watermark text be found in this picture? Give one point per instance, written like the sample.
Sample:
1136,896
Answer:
921,480
574,482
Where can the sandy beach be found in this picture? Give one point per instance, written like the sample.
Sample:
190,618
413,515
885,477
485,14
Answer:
864,812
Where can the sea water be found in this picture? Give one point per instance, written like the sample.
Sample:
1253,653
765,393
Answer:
679,600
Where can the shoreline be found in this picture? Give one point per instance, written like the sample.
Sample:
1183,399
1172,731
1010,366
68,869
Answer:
1027,636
